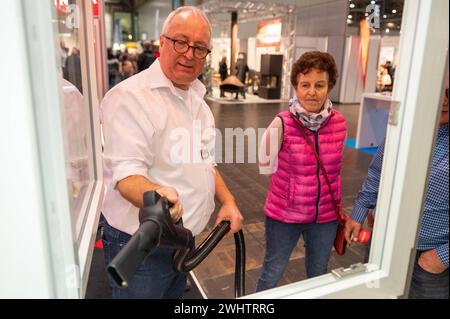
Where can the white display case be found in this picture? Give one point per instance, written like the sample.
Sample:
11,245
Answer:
373,119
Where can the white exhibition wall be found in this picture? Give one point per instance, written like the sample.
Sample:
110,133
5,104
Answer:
380,50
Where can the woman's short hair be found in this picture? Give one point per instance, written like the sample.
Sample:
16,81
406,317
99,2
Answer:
315,60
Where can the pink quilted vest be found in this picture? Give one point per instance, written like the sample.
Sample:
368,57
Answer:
298,193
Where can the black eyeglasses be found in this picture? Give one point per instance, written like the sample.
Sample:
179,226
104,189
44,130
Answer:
182,46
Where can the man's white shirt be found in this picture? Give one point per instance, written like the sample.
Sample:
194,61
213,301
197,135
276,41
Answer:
155,130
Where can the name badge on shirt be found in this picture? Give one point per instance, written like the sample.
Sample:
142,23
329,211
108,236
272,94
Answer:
204,153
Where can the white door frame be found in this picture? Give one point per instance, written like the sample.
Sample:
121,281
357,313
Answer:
44,262
49,255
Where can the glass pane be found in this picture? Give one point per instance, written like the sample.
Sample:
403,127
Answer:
74,105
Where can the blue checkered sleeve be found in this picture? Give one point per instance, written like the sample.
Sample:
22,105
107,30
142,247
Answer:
442,252
433,233
367,196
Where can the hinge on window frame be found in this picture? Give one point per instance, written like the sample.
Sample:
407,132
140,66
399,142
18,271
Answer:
353,269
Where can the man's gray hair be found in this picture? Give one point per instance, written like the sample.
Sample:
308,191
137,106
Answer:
179,10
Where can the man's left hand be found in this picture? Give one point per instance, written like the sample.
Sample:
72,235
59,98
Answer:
230,211
430,261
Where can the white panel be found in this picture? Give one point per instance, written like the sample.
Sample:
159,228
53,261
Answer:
87,238
393,42
221,47
44,78
305,44
372,120
336,47
247,30
390,41
25,263
322,18
372,64
251,54
351,74
43,258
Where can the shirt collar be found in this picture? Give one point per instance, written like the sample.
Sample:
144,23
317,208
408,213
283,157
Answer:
157,79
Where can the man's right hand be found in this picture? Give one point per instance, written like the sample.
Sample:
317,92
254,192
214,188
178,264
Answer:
176,211
351,231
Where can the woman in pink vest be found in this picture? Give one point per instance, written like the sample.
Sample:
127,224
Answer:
298,200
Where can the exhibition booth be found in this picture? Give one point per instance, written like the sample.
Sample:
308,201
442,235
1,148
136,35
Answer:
265,42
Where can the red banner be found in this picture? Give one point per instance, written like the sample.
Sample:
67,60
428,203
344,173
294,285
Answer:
95,4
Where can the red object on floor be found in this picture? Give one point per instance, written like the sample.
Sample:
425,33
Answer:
99,244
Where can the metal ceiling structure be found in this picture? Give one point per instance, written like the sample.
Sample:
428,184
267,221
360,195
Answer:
248,11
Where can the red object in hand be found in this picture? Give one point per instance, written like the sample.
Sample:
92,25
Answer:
364,236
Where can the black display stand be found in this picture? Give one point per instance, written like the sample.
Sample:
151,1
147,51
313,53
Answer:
271,70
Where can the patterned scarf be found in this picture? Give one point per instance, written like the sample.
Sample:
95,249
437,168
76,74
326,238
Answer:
312,121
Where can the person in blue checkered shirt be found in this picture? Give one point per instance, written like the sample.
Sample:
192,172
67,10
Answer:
430,277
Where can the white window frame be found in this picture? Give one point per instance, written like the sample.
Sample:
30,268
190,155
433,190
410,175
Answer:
418,88
50,265
58,260
86,234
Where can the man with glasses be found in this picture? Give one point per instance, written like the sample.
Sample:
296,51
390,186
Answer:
159,135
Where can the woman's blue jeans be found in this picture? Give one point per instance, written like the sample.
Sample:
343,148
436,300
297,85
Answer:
281,238
154,279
